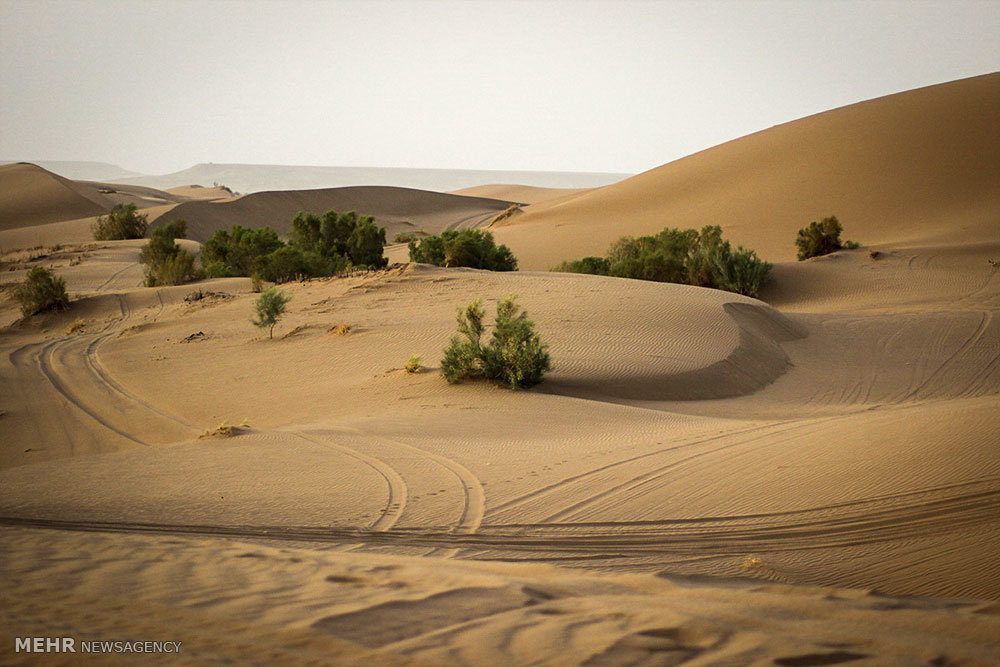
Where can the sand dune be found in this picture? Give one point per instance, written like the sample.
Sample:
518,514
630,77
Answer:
30,195
396,209
920,166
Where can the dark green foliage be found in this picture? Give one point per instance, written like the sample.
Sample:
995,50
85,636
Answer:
474,248
406,237
317,246
233,252
821,238
166,263
515,355
597,266
41,290
123,222
292,263
270,306
683,256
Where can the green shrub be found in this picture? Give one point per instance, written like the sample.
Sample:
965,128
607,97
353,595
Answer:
413,365
289,263
41,290
741,272
406,237
270,306
334,234
166,263
123,222
684,256
515,355
366,243
233,252
821,238
473,248
597,266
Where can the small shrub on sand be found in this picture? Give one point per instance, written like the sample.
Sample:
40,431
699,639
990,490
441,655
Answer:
41,290
874,255
123,222
77,326
515,355
340,329
406,237
413,365
751,563
225,430
270,306
821,238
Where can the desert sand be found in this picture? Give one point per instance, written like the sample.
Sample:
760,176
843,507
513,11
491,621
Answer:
809,478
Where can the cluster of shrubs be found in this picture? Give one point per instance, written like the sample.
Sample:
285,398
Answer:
123,222
317,246
822,238
473,248
514,357
687,256
41,290
166,262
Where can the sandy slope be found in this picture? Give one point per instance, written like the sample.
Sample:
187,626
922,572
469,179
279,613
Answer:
396,209
364,609
920,166
30,195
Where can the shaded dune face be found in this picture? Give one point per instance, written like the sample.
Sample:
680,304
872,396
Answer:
30,195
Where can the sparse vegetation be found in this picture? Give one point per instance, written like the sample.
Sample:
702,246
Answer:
166,262
874,254
406,237
473,248
317,246
685,256
41,290
340,329
413,365
270,306
77,326
821,238
123,222
225,430
515,355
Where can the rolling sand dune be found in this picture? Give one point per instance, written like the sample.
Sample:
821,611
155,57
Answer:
30,195
811,478
919,166
396,209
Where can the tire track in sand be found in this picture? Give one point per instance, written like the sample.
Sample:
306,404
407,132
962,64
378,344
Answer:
398,491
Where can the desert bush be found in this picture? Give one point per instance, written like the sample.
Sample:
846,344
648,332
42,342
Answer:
685,256
741,272
233,252
166,263
597,266
515,355
406,237
473,248
41,290
821,238
289,263
366,243
413,365
345,235
270,306
123,222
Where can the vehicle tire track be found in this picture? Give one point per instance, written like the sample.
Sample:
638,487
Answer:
398,490
985,319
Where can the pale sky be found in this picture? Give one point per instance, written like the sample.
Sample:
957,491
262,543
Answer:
577,86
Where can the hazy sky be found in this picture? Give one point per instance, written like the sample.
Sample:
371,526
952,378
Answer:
581,86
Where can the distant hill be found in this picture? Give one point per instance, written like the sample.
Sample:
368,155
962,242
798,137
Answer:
81,170
396,209
249,178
